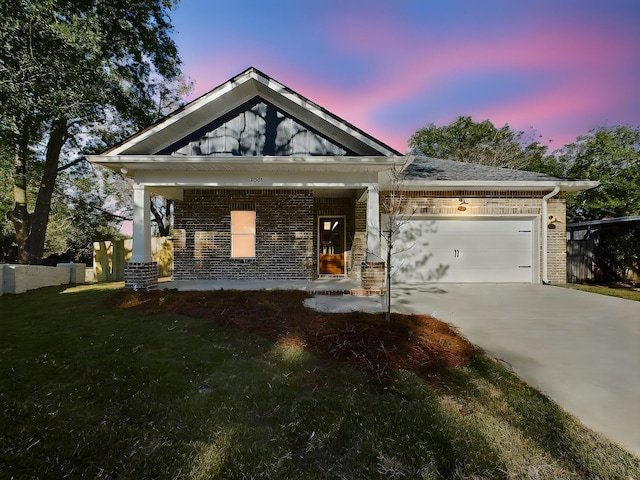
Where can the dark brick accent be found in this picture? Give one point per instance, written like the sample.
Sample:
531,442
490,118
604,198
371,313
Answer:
138,275
373,276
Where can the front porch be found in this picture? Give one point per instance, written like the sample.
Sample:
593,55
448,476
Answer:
295,235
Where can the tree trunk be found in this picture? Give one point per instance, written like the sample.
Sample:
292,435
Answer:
34,246
162,217
20,216
169,218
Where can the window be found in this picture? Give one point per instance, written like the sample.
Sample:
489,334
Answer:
243,234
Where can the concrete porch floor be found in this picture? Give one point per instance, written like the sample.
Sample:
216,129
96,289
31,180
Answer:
335,286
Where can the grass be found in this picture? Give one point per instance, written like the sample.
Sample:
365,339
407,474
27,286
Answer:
88,390
612,291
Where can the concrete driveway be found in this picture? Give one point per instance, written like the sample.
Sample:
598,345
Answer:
581,349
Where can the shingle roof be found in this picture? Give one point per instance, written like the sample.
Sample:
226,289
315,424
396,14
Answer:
426,168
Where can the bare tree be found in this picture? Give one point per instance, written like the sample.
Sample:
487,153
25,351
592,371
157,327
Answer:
397,211
162,211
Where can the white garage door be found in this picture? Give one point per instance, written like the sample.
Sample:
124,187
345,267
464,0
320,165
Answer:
470,250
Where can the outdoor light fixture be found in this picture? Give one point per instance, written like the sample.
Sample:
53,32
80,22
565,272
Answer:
124,170
552,222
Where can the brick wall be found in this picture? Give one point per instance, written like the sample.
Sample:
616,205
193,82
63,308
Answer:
478,203
140,275
373,276
557,239
286,229
284,235
359,247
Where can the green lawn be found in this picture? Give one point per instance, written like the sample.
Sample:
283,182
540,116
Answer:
87,391
620,292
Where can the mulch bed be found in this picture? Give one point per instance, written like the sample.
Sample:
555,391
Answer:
418,343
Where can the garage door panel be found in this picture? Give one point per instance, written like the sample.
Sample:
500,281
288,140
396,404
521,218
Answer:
464,251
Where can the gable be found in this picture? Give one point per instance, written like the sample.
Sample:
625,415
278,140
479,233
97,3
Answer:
311,127
256,128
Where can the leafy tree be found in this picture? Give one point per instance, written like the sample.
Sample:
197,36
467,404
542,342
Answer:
90,207
478,142
612,157
70,71
7,236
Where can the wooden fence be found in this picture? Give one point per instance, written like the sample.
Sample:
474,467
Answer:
604,251
581,260
109,258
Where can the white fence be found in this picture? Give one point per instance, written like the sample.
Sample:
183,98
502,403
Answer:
20,278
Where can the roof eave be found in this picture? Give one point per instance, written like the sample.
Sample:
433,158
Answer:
129,164
503,185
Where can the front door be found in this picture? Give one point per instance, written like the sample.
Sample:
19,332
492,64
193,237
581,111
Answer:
331,242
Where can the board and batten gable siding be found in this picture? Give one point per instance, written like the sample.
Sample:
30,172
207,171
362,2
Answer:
495,204
256,128
284,235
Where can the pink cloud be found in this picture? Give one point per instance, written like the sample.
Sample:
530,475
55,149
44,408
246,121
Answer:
560,114
580,68
575,65
413,63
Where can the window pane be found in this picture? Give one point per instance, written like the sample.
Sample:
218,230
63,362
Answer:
243,246
243,222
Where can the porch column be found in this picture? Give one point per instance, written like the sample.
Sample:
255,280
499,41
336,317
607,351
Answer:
141,272
141,251
373,223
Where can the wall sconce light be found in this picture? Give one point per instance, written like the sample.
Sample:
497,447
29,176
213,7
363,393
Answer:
124,170
463,205
553,220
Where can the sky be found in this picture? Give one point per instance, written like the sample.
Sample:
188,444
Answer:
553,68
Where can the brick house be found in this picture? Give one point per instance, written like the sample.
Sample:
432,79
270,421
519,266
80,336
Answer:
269,185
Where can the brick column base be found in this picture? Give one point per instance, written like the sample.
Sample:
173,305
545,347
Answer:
141,275
373,276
